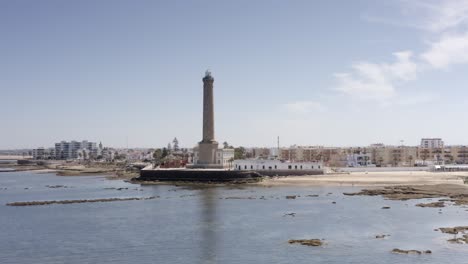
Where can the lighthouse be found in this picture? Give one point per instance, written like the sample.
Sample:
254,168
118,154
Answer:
208,146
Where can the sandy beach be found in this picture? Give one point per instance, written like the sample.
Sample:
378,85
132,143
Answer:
371,179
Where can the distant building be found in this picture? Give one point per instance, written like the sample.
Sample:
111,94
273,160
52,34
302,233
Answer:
43,153
394,156
76,150
359,160
108,154
329,156
432,143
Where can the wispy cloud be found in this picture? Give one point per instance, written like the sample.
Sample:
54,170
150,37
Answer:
448,50
303,107
445,21
429,15
439,15
377,80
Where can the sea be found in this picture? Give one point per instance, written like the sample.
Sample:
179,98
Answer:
222,224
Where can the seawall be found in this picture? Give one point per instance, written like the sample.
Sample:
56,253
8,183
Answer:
194,175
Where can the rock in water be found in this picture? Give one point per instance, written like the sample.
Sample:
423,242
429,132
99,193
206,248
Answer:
307,242
381,236
412,251
434,204
459,240
453,230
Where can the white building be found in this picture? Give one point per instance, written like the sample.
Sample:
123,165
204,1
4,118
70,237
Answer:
432,143
223,157
70,150
276,165
359,160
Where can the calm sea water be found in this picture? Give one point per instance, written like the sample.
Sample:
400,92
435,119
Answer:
190,225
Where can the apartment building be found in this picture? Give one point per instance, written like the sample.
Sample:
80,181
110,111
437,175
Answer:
432,143
43,153
73,149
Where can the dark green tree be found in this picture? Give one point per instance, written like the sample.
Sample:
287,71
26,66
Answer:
239,153
164,153
169,147
175,144
157,154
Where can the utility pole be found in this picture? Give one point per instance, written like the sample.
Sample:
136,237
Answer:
279,151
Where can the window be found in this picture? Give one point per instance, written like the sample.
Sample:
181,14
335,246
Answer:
263,166
289,167
295,167
301,167
312,166
319,166
269,167
245,166
251,167
276,167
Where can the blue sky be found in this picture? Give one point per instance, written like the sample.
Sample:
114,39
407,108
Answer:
335,73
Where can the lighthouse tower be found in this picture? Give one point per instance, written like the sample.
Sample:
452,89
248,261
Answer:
208,146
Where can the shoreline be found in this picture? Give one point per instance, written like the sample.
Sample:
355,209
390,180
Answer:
369,179
351,179
110,174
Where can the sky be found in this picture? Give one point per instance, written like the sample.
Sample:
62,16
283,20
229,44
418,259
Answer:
331,73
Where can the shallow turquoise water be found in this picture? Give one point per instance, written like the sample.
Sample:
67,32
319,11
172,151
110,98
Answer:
189,225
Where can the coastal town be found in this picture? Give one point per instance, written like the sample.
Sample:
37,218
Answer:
431,154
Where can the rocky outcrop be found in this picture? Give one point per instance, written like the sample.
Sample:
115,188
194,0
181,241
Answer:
381,236
412,251
56,186
454,230
459,240
397,193
434,204
458,194
32,203
307,242
239,198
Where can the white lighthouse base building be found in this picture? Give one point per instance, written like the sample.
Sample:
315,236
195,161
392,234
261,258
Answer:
275,167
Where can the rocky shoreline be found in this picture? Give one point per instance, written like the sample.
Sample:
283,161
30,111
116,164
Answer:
458,194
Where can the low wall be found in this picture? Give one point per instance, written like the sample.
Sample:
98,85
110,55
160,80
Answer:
221,176
272,173
381,169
